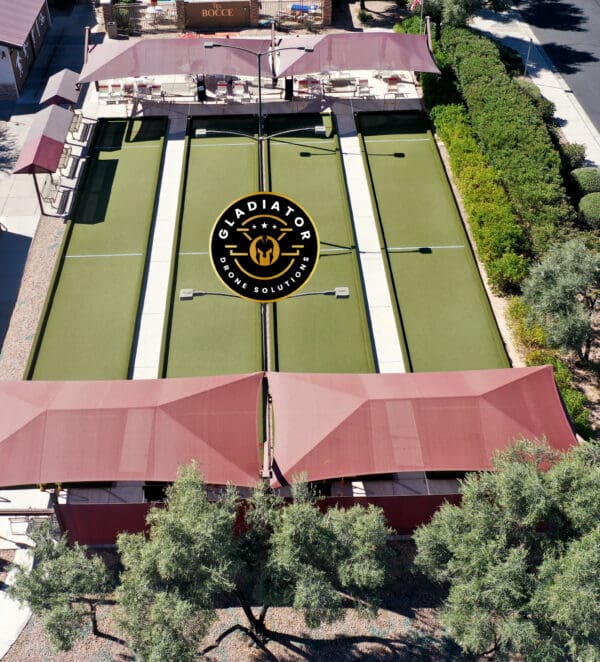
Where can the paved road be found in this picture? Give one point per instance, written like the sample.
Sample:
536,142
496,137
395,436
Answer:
570,35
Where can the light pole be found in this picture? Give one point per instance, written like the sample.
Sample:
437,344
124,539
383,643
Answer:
259,55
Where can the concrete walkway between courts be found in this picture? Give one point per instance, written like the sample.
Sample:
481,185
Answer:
154,309
575,124
388,350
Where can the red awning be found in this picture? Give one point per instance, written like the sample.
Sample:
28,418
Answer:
162,57
17,19
355,51
45,141
344,51
333,426
62,87
129,430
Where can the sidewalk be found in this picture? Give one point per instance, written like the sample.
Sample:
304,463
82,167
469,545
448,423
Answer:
510,29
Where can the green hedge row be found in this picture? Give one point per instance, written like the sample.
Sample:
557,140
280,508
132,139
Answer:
512,134
500,240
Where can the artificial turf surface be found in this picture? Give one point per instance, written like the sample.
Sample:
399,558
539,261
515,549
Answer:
319,333
89,326
214,334
447,319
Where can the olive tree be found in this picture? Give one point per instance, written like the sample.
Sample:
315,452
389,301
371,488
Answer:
260,552
63,588
520,556
562,292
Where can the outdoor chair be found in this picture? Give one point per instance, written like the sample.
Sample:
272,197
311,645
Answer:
104,92
392,85
302,86
127,90
156,91
363,89
222,90
315,88
239,91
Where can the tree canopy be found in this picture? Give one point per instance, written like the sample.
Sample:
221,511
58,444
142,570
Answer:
521,555
63,588
259,551
454,12
563,293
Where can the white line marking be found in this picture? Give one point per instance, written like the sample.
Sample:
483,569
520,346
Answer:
107,255
204,144
408,249
193,253
398,140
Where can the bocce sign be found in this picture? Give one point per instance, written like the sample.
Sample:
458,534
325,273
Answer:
264,247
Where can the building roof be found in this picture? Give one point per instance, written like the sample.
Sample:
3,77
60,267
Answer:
61,87
333,426
91,431
17,19
44,141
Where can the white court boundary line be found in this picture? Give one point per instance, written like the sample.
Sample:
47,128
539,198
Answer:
398,140
106,255
250,142
406,249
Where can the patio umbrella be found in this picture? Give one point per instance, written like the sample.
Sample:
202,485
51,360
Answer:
62,87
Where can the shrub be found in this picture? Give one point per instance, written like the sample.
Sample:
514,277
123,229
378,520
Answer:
572,155
587,180
500,240
512,134
364,16
410,25
530,336
589,210
545,107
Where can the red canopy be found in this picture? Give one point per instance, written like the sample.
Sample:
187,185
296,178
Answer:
129,430
350,51
162,57
45,141
355,51
331,426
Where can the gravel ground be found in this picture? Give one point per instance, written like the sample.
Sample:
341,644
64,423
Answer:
7,556
32,296
406,628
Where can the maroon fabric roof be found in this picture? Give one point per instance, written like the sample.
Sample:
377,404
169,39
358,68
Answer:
332,426
45,140
162,57
17,19
129,430
61,87
355,51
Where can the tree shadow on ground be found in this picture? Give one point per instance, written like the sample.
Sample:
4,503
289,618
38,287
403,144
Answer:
567,59
553,15
9,150
412,646
383,16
